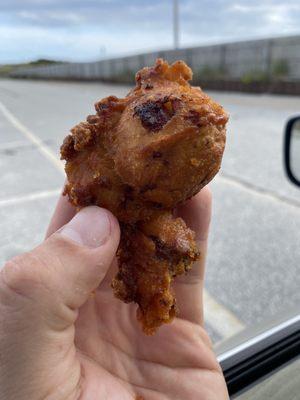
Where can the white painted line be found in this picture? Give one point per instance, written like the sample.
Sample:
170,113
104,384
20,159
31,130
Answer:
222,320
257,191
29,197
45,150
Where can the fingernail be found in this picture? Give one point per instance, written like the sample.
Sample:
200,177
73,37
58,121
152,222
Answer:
90,227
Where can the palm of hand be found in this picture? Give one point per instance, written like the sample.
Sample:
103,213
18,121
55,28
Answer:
112,359
118,361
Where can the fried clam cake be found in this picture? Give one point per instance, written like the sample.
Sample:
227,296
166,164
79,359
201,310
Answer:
140,157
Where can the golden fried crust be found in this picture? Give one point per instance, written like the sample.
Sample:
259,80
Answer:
171,136
162,144
150,255
140,157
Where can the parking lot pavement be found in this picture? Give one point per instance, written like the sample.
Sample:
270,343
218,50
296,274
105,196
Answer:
23,224
254,254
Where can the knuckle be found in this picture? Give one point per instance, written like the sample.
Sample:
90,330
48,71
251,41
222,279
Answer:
22,274
206,338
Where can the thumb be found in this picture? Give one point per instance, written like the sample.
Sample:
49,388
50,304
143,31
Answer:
59,275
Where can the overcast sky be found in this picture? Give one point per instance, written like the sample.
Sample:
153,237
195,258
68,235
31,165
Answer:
92,29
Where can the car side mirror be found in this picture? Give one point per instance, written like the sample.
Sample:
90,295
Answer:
292,150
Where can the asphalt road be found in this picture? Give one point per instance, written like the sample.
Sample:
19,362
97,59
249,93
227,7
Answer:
254,253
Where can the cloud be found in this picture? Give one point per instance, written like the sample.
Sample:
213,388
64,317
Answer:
77,29
53,18
91,12
88,44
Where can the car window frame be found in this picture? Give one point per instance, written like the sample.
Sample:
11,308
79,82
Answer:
259,352
286,151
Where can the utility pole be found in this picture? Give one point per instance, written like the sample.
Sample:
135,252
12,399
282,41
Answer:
176,23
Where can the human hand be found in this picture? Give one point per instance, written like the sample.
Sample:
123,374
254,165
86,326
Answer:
63,336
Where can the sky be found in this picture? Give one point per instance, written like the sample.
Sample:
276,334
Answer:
87,30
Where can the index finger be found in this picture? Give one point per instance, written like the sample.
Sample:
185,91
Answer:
189,288
63,213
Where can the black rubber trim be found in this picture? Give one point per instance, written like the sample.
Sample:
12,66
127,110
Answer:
262,363
286,150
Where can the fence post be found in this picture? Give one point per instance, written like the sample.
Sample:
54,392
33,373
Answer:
269,59
188,58
223,60
112,68
141,59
